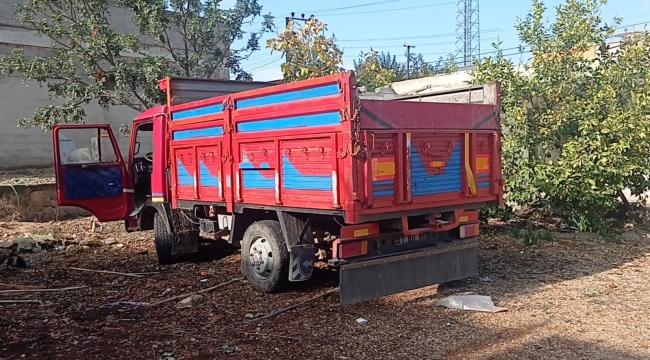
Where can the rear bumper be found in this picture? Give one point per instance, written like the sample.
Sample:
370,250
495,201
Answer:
375,278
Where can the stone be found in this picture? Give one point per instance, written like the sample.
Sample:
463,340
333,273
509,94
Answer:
53,203
89,243
47,199
27,192
37,196
631,236
36,206
26,244
48,214
109,241
588,236
43,238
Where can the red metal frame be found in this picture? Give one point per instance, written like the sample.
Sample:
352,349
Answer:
104,208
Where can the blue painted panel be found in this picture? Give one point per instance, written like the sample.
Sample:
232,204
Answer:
92,183
206,178
292,179
484,184
482,176
197,133
383,183
252,177
200,111
330,118
383,191
423,183
184,177
303,94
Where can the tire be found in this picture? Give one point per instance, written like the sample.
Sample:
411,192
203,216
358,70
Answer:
163,241
265,272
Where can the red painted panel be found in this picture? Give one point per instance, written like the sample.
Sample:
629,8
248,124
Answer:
306,176
255,175
408,115
210,177
183,172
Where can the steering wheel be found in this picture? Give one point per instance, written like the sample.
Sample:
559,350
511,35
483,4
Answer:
149,157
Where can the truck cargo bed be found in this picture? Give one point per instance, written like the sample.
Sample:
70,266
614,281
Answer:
316,145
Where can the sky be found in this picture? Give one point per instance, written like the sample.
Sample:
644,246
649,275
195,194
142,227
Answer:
430,25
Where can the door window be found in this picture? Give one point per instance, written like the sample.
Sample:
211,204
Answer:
85,146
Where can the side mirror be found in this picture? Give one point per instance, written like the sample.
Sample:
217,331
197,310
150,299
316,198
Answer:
94,148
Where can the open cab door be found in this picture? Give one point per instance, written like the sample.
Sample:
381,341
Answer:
90,171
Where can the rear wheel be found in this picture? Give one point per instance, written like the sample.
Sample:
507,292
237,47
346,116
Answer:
264,257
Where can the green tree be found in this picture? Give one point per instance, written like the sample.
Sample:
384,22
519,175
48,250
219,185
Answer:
308,52
576,127
90,61
371,72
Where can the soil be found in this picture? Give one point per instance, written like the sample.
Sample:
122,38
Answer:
570,298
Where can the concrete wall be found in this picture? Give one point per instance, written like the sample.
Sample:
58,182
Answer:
30,148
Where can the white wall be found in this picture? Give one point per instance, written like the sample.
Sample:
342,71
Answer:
32,148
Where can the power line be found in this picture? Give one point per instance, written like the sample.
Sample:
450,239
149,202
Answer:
268,63
391,10
399,46
353,6
415,37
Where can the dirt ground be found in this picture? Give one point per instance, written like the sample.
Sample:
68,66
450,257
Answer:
579,298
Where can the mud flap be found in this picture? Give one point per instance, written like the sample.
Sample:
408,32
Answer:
301,264
372,279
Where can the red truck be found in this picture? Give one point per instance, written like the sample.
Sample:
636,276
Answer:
384,191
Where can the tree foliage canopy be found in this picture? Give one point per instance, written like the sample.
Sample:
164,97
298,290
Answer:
576,128
93,61
308,52
375,68
372,72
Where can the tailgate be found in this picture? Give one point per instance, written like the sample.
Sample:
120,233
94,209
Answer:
430,153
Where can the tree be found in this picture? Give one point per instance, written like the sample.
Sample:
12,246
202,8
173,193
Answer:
370,71
576,128
419,67
308,52
92,61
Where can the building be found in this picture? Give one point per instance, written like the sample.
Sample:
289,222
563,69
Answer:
32,148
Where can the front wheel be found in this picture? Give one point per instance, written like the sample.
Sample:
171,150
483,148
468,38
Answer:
163,241
264,257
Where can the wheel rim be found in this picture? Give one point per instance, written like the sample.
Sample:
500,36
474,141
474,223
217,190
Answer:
261,257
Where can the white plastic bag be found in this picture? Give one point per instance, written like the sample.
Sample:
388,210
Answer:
470,302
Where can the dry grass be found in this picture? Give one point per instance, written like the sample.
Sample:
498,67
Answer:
8,211
567,299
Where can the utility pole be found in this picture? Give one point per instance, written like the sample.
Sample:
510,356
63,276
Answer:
408,59
293,17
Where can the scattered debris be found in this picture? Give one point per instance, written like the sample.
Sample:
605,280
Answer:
18,291
189,301
198,292
16,287
132,303
20,302
470,302
276,313
114,272
362,321
486,279
26,244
